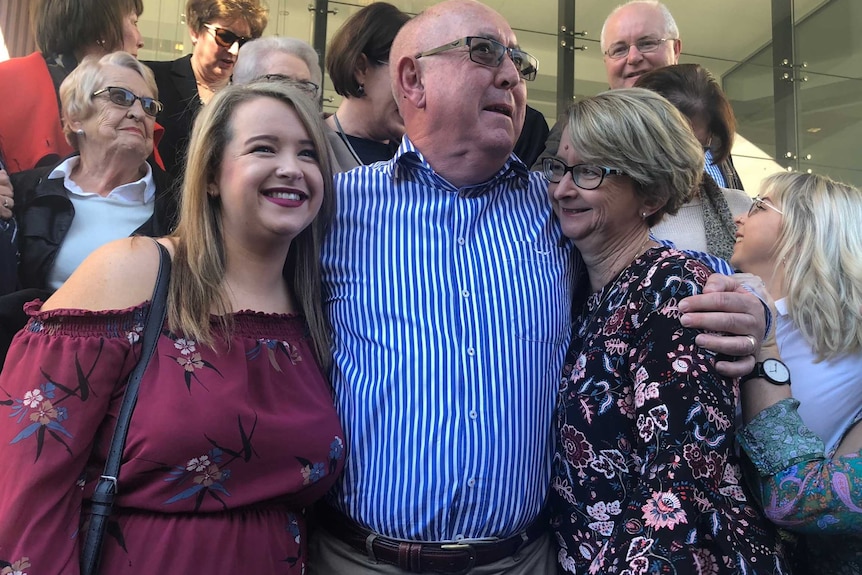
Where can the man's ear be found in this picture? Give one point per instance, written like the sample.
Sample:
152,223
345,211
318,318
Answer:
677,49
409,83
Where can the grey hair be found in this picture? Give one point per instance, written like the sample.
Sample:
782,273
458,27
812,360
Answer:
252,57
76,91
641,133
670,28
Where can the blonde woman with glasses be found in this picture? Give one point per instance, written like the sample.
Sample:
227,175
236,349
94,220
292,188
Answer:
802,237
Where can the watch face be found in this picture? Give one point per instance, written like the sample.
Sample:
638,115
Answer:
776,370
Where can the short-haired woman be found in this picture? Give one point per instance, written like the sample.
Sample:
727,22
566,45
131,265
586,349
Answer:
218,29
234,432
367,127
280,58
645,476
705,222
802,238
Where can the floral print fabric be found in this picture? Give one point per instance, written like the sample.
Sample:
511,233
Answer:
808,491
225,448
645,478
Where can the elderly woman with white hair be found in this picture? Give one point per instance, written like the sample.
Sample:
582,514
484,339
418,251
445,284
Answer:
645,475
106,190
280,58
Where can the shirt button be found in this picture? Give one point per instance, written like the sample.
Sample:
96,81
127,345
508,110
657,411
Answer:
473,415
465,293
471,351
471,482
461,241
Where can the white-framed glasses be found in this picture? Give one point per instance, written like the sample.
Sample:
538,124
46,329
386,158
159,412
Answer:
758,204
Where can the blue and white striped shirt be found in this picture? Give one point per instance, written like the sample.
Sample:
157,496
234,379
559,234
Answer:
450,309
714,169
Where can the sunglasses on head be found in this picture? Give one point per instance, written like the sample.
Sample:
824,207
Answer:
126,99
224,37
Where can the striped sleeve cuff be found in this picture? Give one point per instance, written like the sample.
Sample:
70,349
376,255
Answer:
777,439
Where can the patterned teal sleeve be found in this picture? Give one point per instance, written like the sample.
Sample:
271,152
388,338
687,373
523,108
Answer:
777,439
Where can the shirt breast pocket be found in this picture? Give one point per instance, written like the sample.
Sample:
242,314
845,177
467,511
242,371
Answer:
540,276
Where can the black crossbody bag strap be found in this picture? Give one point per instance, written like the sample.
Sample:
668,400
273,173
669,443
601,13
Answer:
106,488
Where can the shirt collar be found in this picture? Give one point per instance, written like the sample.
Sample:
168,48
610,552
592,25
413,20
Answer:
781,306
141,191
409,159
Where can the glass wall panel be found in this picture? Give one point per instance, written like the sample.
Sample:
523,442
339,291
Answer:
830,90
732,38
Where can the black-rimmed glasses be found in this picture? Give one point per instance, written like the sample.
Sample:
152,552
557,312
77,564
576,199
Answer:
490,53
306,86
758,203
224,37
126,99
585,176
644,46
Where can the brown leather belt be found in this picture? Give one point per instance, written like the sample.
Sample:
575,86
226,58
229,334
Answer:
420,557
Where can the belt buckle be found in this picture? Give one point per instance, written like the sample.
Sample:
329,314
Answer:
462,547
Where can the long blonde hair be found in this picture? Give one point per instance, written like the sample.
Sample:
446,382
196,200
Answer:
196,289
820,241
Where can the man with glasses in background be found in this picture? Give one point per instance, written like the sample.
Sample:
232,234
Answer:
448,286
637,37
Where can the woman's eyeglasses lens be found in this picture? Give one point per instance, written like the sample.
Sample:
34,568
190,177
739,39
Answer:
126,99
304,85
585,176
225,38
758,204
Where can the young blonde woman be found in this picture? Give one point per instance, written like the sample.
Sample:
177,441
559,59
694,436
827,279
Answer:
234,432
802,238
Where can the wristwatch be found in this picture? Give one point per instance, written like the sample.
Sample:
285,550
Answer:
772,370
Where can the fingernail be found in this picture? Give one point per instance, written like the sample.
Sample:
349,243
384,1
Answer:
685,320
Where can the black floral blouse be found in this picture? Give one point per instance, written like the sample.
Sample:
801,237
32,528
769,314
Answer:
646,478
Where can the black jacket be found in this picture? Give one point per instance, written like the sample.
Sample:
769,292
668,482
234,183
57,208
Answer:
178,92
45,212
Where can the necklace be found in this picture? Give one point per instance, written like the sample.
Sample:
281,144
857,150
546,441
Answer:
207,87
609,289
344,139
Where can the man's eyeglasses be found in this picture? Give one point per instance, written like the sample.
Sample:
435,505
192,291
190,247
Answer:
306,86
126,99
644,46
490,53
585,176
224,37
758,204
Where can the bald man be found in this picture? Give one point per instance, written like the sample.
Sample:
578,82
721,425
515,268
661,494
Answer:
638,37
448,287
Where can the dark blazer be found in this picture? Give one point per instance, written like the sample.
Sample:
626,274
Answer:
178,92
532,141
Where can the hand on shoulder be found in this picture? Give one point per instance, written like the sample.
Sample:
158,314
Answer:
118,275
727,307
